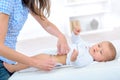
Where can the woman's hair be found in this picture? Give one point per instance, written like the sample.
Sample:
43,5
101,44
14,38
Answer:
38,7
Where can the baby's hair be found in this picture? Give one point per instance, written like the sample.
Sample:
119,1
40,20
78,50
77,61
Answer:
112,51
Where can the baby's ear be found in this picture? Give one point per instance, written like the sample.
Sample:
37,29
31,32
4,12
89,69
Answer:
74,55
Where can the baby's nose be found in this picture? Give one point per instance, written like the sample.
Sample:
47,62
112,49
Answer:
97,49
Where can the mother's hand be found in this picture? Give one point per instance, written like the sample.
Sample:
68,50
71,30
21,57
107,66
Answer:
62,46
44,62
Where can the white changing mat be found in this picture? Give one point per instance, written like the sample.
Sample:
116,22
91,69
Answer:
98,71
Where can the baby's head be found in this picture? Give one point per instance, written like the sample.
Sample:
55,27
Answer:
103,51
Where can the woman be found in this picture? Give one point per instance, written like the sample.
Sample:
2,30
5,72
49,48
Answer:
13,15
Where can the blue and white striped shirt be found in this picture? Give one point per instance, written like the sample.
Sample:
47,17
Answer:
17,17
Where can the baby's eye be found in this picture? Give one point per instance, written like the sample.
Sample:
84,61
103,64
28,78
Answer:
98,45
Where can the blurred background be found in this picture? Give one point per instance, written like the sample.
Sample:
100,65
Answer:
92,15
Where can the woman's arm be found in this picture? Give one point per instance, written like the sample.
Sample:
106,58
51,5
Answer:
19,66
16,56
52,29
4,50
56,58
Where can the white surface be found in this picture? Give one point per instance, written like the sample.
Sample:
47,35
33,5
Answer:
98,71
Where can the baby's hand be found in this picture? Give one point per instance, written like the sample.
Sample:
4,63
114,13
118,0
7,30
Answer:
76,30
74,55
76,27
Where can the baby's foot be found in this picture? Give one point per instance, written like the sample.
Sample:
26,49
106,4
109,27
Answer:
9,67
74,55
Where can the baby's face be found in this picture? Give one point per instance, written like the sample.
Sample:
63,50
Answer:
100,51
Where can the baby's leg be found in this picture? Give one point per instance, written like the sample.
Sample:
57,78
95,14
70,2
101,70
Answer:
62,58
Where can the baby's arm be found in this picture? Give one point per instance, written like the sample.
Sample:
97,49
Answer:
74,55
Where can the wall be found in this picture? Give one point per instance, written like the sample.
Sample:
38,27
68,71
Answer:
112,19
59,17
115,7
33,29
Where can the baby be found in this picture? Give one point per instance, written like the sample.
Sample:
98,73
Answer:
81,54
84,54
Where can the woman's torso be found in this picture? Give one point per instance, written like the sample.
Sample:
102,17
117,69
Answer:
17,17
